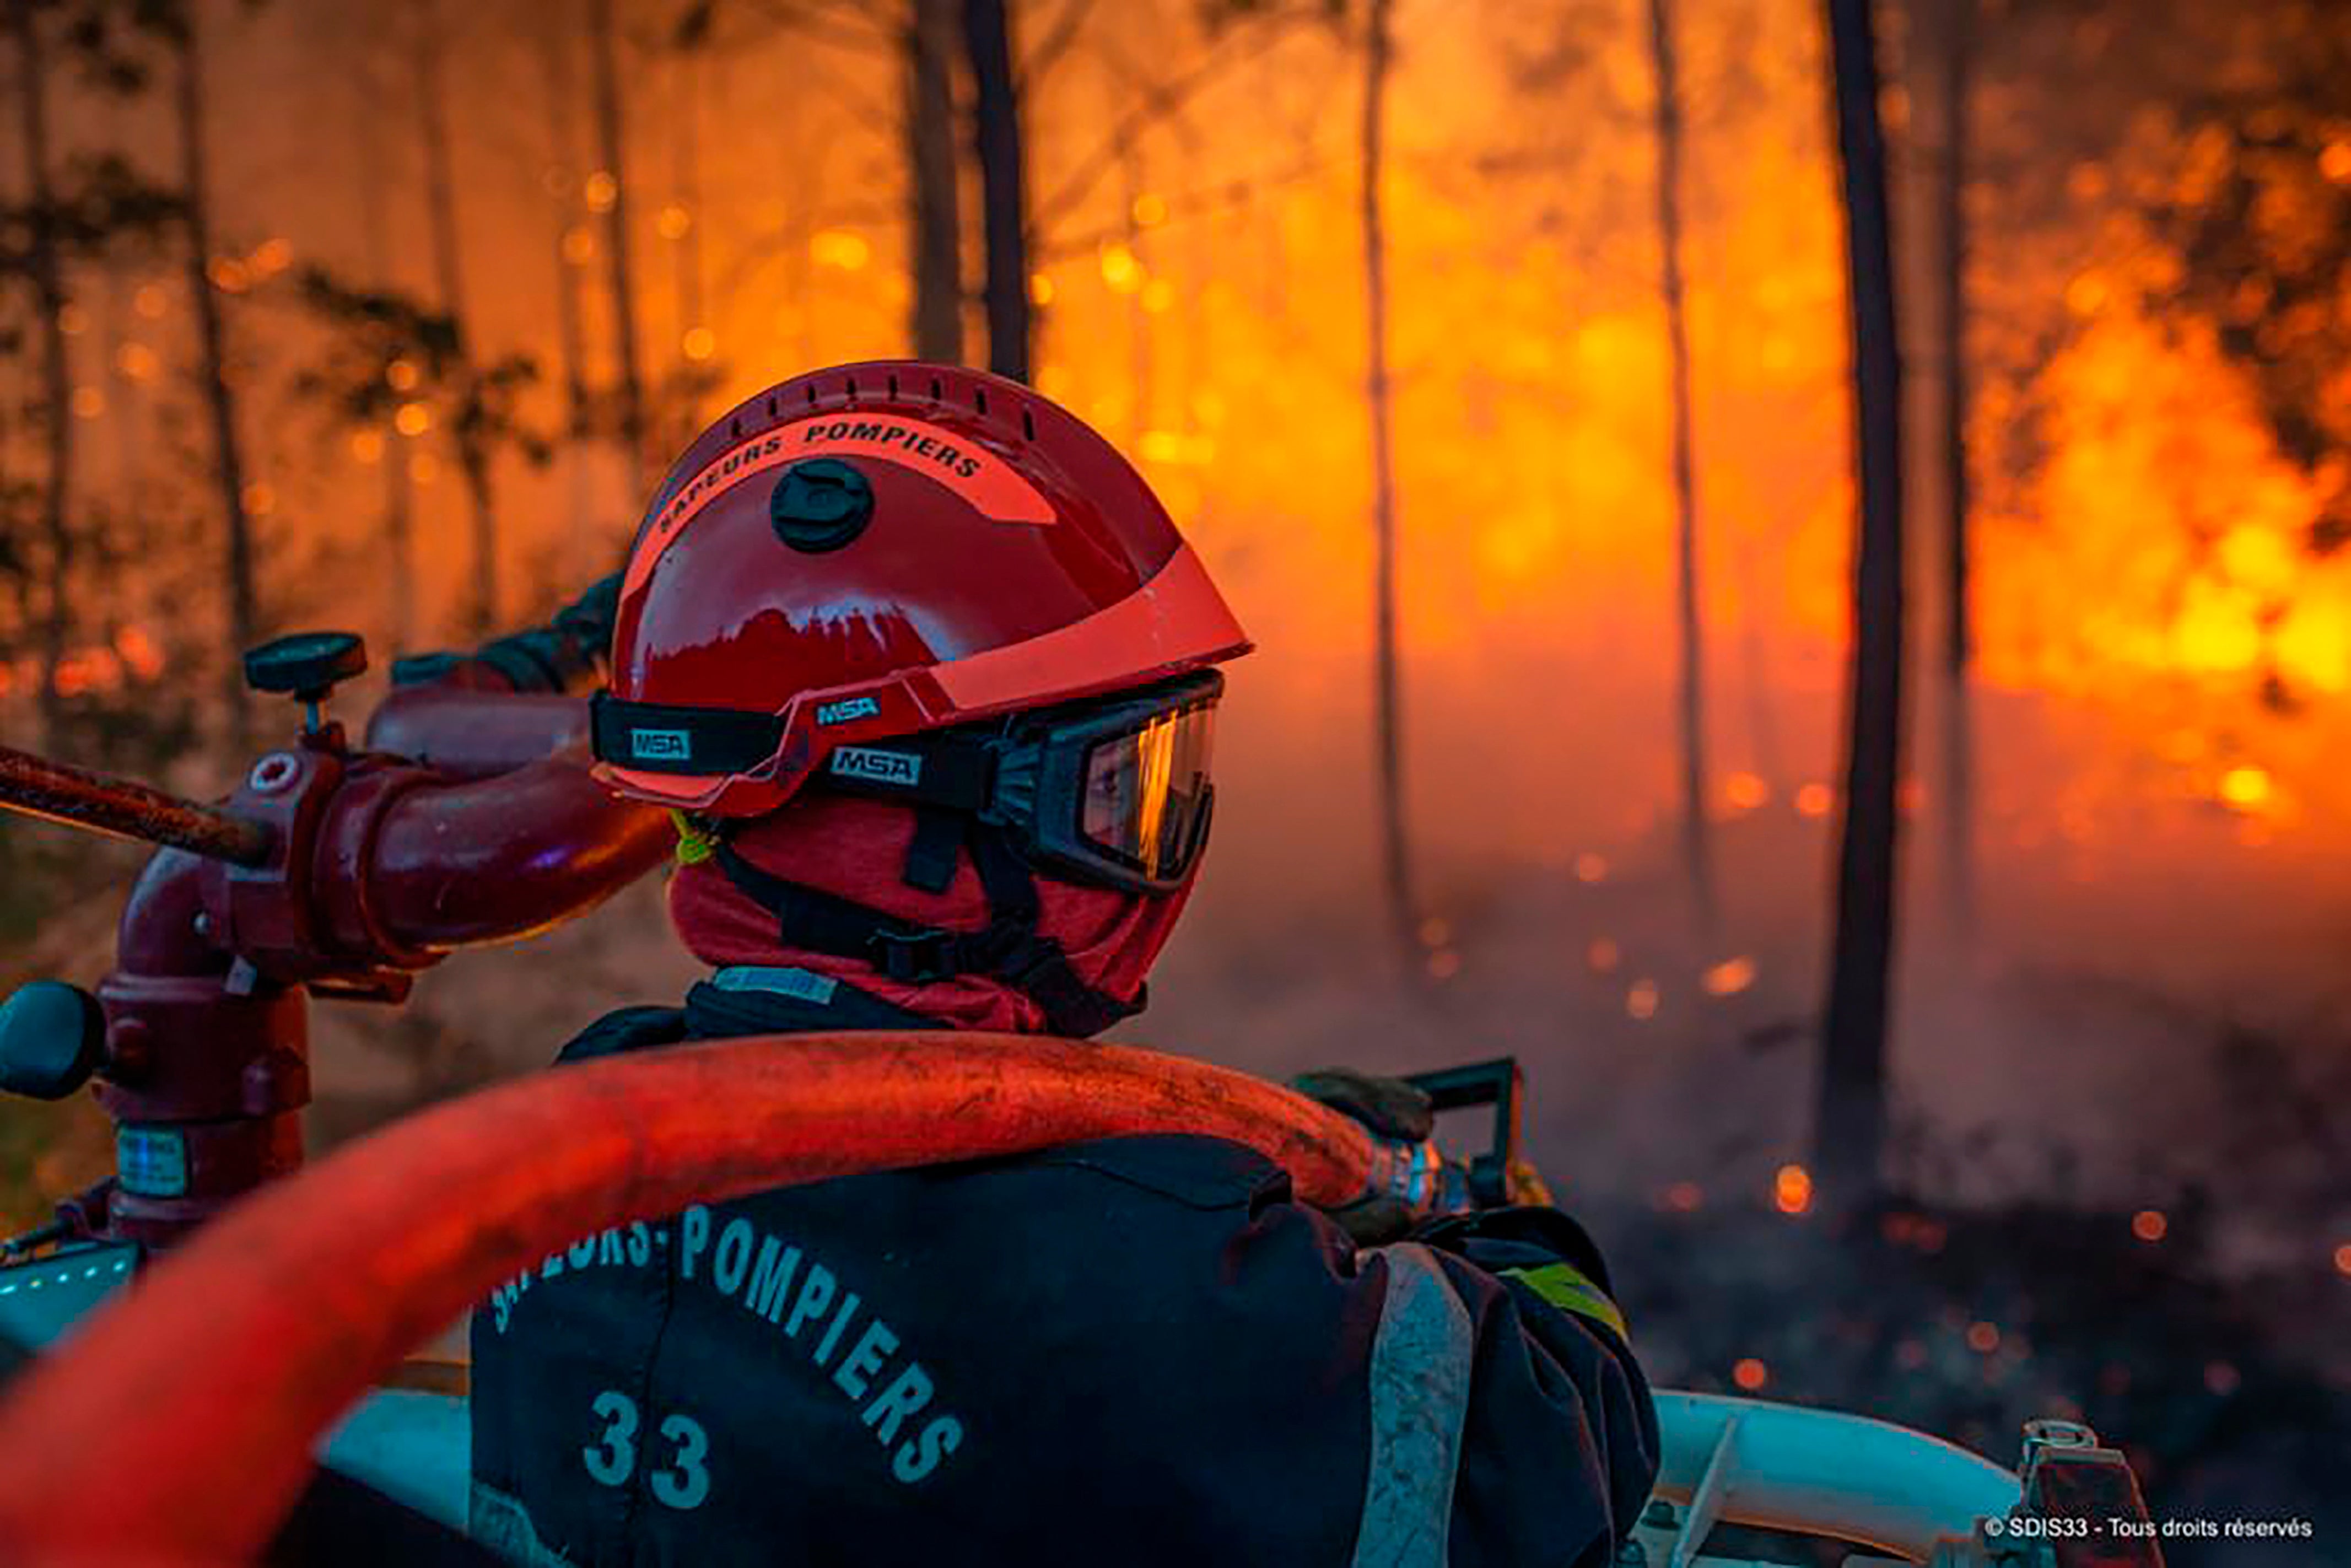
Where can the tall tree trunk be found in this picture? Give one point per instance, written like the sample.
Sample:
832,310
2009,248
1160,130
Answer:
1141,364
440,180
1851,1123
399,505
686,271
1696,851
677,415
1387,699
996,137
473,458
935,214
220,398
1959,648
611,150
47,269
570,326
400,539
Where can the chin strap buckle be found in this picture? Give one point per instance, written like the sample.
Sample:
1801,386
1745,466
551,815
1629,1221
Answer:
914,957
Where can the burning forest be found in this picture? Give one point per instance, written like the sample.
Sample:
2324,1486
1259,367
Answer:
1795,554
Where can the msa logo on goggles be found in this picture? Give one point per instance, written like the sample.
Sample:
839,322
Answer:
866,762
660,745
846,709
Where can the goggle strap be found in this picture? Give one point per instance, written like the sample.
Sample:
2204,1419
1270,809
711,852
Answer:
662,737
957,772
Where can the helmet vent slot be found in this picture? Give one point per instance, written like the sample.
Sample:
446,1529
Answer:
771,406
979,399
849,384
1027,425
893,388
939,389
735,430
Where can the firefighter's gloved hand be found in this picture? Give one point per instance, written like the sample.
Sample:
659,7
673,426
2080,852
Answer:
1389,1107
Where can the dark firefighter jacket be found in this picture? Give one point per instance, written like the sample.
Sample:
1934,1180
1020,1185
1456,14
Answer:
1139,1351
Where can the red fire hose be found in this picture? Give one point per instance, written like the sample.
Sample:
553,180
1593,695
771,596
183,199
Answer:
178,1424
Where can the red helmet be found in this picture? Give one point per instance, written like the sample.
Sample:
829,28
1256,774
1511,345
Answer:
875,551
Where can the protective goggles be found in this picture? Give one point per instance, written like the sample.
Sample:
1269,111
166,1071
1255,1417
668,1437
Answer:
1116,792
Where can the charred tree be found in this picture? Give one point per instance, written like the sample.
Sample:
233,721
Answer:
399,501
1395,860
45,267
449,284
212,352
997,142
1850,1127
1690,703
935,212
1958,647
687,257
570,326
604,43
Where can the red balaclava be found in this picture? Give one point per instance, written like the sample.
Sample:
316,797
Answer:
855,849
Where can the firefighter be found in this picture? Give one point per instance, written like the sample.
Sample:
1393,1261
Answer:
928,678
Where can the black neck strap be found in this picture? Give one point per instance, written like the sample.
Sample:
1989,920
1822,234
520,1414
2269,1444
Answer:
1008,948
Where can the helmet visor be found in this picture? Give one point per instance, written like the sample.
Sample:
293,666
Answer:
1144,801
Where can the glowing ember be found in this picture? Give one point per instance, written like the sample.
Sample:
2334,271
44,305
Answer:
272,255
844,249
73,321
139,653
1641,1001
2220,1379
401,375
1591,868
1436,932
1685,1196
1814,800
1150,211
1746,792
228,275
1792,1189
260,500
2149,1225
2246,787
149,301
699,344
1443,964
2343,1260
89,402
1604,955
1984,1338
602,191
367,446
136,360
1751,1375
1729,978
413,419
1122,271
578,245
1041,288
673,222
